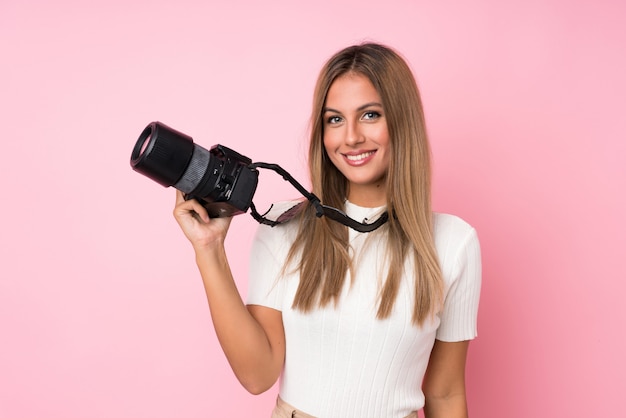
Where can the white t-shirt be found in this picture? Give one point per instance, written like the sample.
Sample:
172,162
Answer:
340,360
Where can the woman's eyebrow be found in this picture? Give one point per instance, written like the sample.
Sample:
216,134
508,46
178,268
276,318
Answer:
360,108
370,104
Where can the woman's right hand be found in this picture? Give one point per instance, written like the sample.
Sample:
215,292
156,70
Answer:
203,232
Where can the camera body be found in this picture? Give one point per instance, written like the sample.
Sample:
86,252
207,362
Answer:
219,178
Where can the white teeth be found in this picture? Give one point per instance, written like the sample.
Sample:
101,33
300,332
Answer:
360,156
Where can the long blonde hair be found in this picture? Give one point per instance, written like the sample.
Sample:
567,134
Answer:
321,244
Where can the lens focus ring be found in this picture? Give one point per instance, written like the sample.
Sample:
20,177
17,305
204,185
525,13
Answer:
195,170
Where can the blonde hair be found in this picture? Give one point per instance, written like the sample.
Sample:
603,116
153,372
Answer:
321,244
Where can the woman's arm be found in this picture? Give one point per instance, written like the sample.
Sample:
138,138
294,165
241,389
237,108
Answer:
252,337
444,383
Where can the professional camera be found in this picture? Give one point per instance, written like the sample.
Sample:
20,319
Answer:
219,178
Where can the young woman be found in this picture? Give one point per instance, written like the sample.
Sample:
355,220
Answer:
355,324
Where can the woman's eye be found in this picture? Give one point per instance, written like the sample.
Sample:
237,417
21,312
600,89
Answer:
371,115
333,120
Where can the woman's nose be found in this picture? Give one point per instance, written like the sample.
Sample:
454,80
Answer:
354,134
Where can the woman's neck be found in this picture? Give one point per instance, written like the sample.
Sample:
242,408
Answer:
370,196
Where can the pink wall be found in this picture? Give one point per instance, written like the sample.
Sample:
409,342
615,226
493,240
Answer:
102,313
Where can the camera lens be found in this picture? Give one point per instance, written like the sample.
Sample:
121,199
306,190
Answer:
162,154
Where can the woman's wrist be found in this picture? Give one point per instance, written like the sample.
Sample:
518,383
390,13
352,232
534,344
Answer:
211,254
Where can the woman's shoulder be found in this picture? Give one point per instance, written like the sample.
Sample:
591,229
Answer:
450,229
457,246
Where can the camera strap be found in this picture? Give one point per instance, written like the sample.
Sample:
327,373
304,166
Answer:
285,214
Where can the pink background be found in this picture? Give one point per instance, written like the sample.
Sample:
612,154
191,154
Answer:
102,312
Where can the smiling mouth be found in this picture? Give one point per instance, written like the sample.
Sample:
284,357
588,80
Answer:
359,157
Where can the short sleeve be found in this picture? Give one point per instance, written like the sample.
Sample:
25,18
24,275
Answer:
462,271
267,257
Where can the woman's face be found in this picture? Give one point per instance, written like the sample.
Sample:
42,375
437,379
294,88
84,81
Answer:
356,138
